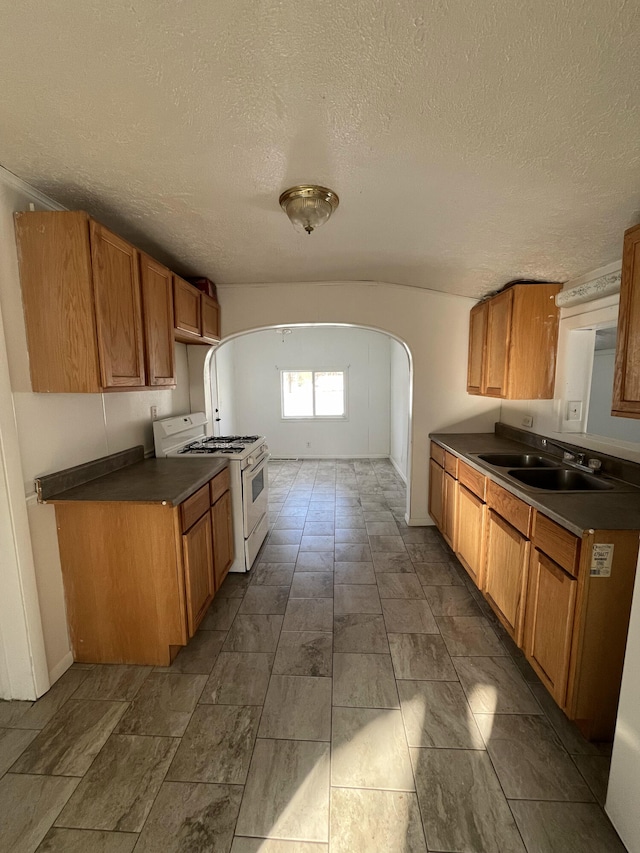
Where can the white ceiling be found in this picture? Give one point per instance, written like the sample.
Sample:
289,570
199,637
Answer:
469,142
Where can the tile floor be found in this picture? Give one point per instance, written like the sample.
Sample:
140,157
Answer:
352,695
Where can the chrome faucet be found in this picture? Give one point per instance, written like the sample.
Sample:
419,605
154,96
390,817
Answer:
577,460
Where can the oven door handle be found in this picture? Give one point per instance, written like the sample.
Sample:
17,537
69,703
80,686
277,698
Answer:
264,458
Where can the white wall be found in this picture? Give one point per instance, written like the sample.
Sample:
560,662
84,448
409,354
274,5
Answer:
55,431
435,327
599,419
255,389
399,408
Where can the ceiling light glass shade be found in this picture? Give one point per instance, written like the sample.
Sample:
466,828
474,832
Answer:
308,207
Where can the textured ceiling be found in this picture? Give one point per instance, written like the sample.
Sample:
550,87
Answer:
470,142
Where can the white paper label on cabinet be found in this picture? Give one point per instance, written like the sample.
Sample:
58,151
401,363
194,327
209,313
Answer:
601,560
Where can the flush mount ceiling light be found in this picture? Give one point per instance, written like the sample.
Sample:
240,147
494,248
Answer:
309,206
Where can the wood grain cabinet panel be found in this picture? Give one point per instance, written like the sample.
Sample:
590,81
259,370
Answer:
197,546
157,312
513,339
498,342
436,493
550,612
222,538
449,497
210,311
477,344
505,578
626,381
116,285
470,533
186,307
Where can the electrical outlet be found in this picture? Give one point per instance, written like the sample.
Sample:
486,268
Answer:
574,410
527,421
308,444
154,413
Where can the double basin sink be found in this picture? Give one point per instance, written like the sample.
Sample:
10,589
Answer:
540,472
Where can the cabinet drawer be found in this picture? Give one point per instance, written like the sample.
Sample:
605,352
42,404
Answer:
437,454
219,485
556,542
194,507
451,464
472,479
511,508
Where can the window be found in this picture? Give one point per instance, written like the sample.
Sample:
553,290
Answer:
313,393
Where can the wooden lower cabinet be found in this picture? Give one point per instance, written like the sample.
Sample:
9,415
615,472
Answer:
138,577
197,549
469,538
551,603
506,570
436,493
449,497
222,537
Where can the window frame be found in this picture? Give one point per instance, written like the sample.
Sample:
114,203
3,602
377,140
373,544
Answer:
313,371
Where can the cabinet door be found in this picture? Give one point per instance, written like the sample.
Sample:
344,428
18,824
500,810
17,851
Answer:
186,306
210,318
549,623
197,550
626,379
469,533
477,341
222,537
116,285
506,569
450,486
157,312
436,493
497,348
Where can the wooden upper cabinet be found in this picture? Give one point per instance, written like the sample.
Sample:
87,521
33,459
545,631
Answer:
210,311
197,315
83,290
477,341
157,314
498,340
186,306
57,293
116,285
626,379
513,339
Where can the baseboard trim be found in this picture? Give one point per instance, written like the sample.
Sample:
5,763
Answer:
419,522
400,473
297,458
61,667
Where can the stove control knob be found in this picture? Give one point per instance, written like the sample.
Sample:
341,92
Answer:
249,461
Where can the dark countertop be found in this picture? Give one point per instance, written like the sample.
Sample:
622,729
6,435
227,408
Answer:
168,481
577,512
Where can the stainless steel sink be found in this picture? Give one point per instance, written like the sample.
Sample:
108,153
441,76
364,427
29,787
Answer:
517,460
561,480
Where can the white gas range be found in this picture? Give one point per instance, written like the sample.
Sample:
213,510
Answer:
186,436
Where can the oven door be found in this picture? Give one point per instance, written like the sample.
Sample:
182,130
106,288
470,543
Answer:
255,494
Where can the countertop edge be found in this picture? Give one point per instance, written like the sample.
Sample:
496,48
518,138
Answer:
493,475
86,493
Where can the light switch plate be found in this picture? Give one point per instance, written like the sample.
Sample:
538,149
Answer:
574,410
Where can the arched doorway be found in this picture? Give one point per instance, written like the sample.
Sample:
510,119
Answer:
242,391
